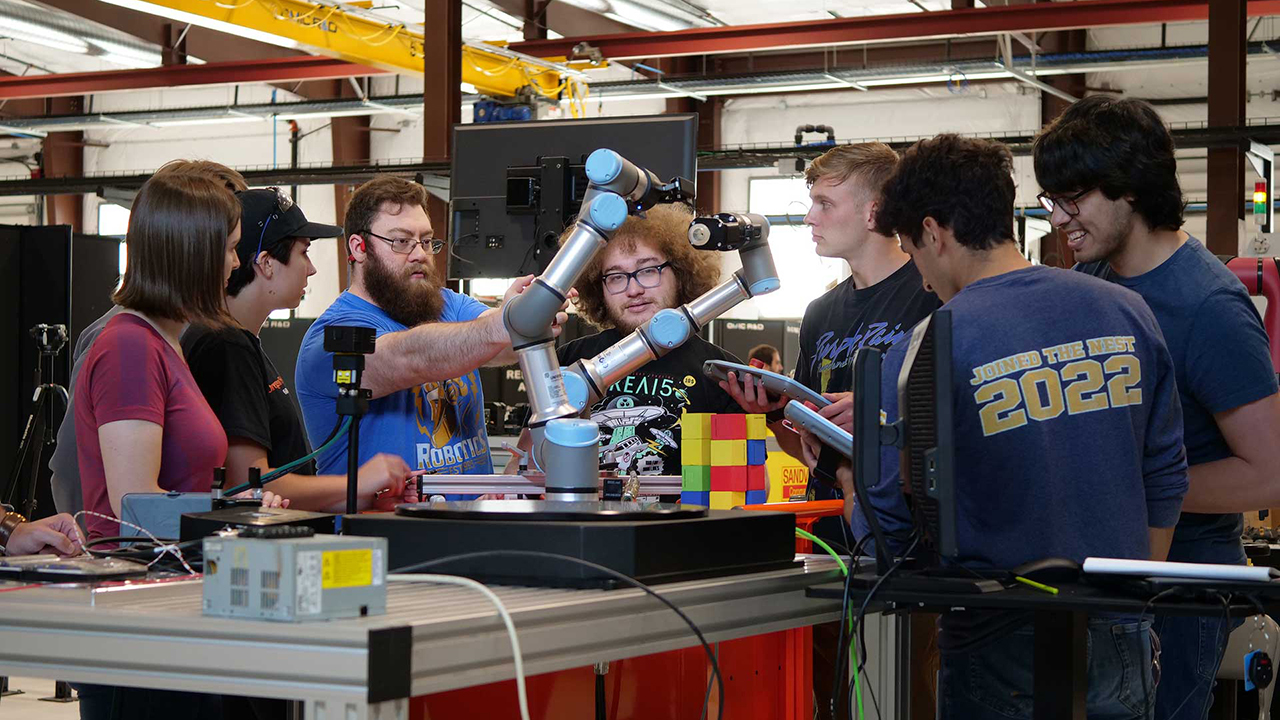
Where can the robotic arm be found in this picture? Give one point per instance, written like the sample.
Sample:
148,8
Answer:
586,380
617,188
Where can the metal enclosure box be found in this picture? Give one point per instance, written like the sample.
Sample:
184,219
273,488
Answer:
295,579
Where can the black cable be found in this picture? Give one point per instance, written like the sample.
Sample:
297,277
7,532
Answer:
862,612
601,712
144,550
836,684
275,474
715,665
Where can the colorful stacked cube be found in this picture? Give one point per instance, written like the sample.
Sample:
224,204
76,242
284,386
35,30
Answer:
695,458
723,460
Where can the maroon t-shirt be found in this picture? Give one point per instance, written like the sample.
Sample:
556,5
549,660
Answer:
132,373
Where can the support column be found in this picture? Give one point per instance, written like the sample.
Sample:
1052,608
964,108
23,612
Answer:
535,19
1226,110
441,103
173,44
350,138
62,155
708,127
1058,253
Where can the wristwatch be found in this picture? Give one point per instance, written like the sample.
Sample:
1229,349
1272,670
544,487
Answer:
8,524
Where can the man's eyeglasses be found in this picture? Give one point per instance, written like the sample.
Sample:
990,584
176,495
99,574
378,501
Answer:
404,246
1068,204
645,277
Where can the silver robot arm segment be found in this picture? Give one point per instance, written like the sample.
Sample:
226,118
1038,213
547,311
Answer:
617,188
586,381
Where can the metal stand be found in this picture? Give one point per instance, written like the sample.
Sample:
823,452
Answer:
51,339
61,694
349,345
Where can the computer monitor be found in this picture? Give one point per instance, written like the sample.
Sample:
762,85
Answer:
928,431
516,186
924,432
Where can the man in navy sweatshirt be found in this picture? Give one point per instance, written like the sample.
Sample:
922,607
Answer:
1110,182
1027,377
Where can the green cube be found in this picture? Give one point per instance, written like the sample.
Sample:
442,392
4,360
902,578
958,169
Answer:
695,478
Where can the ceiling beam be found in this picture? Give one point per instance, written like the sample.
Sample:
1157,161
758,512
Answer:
837,31
270,70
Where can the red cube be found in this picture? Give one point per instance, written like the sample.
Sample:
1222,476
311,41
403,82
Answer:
729,479
728,426
757,478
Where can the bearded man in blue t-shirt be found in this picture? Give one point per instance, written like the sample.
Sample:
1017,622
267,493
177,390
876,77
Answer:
1026,377
428,406
1110,182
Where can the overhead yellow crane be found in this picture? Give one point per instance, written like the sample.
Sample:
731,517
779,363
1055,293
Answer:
349,32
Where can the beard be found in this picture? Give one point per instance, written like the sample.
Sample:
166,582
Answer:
408,302
626,323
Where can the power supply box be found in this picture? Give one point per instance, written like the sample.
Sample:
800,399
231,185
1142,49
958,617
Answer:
291,576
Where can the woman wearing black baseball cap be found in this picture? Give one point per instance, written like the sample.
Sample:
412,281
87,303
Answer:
259,414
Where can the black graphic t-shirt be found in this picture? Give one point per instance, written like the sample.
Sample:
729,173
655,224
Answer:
247,393
639,416
845,319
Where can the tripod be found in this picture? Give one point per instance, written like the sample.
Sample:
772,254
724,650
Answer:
50,339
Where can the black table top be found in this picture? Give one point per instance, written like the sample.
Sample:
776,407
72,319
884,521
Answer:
1124,597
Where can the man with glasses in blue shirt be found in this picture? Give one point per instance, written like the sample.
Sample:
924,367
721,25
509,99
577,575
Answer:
1110,183
427,405
648,266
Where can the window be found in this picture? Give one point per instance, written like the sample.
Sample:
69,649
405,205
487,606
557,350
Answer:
804,275
113,221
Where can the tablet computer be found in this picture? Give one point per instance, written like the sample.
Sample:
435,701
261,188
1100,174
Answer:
831,435
773,382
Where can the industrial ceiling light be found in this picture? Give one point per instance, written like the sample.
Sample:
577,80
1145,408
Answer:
127,55
41,35
227,120
632,12
204,22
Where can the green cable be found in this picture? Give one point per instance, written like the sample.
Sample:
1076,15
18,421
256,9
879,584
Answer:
284,469
844,570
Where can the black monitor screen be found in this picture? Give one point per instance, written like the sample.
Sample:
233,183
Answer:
515,186
928,450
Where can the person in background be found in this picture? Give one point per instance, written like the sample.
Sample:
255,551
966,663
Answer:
64,464
428,406
766,357
261,418
1110,181
142,424
648,266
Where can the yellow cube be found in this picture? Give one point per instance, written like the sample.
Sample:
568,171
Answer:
757,428
695,425
728,453
727,500
695,451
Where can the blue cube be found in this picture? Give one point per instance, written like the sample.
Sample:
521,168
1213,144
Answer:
756,452
696,497
757,497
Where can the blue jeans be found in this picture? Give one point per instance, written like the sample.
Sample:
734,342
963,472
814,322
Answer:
995,681
1192,651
